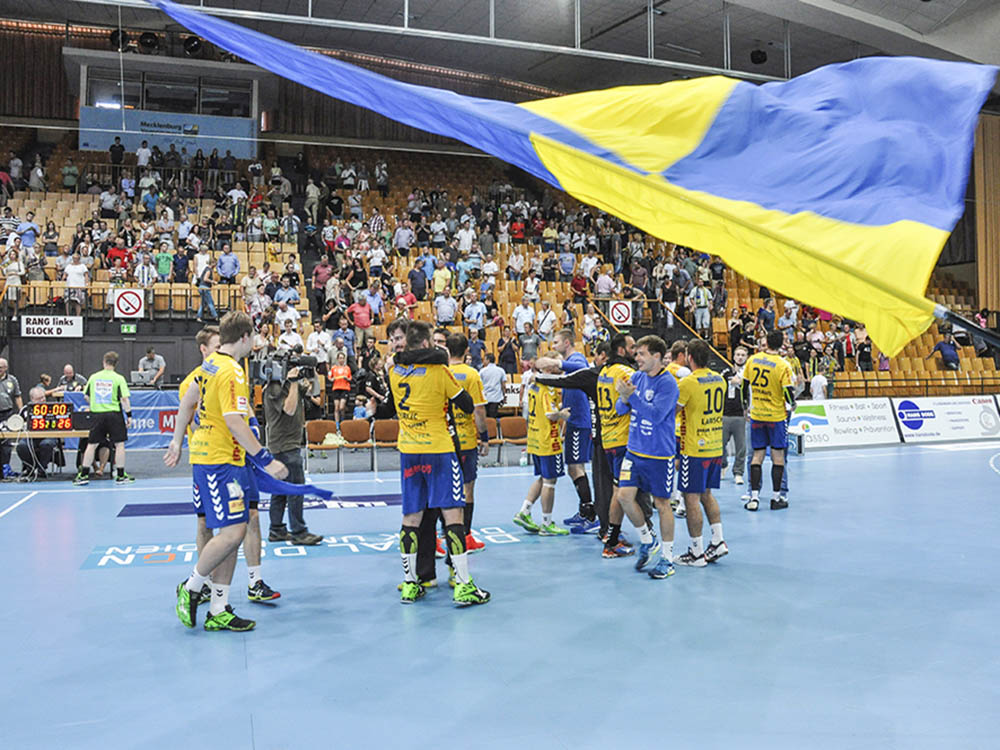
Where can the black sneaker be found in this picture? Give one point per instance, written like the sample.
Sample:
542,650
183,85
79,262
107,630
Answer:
778,503
261,592
307,539
279,536
228,620
206,594
124,479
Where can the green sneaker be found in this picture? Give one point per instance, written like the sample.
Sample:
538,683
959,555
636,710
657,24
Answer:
431,584
411,592
206,595
553,530
79,480
124,479
526,522
228,620
451,577
468,594
187,605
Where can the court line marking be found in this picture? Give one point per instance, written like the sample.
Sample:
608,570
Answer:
992,463
22,501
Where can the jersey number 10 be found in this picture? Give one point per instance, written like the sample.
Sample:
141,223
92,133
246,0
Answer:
714,400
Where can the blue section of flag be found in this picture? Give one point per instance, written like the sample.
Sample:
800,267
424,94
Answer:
874,141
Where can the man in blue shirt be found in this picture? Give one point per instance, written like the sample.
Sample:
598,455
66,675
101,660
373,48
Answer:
577,440
429,265
286,293
28,230
347,334
476,349
567,262
949,352
418,281
464,268
475,312
651,398
445,308
375,301
765,315
228,265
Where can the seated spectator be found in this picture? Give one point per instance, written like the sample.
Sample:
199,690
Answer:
70,380
949,351
154,363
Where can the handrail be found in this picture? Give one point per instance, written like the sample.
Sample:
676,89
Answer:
683,322
593,301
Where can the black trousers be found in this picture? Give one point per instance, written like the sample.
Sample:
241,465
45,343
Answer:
427,543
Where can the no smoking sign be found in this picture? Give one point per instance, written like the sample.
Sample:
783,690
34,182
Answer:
620,313
129,303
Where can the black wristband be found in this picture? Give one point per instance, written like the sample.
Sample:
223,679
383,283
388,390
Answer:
128,414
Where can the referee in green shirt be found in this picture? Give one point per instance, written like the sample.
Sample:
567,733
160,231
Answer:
107,392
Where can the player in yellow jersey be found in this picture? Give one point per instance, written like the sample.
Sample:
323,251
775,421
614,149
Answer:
679,368
424,391
219,449
473,438
767,384
545,446
702,400
257,590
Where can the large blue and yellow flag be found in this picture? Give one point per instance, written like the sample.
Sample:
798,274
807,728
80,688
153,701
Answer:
838,188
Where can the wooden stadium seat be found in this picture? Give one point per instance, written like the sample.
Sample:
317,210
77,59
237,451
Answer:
514,430
385,433
358,434
316,432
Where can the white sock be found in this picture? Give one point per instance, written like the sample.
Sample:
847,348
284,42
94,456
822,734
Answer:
716,532
196,581
667,550
461,565
220,598
526,507
645,534
546,519
254,574
697,548
682,504
409,567
755,494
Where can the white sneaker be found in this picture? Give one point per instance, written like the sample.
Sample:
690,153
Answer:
691,560
722,474
752,504
738,479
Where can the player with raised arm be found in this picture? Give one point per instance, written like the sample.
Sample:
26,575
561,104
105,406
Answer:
221,445
473,438
702,400
577,439
545,448
767,385
650,398
257,591
424,391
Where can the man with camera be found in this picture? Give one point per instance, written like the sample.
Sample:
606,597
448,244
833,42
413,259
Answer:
289,384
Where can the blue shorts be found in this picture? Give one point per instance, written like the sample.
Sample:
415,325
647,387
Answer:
652,475
772,435
470,464
250,493
699,473
578,445
431,480
615,456
222,492
548,467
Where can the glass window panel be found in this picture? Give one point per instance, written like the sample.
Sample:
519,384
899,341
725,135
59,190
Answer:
171,95
225,100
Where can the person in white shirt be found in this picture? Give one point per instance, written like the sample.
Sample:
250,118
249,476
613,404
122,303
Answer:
531,286
289,337
515,265
490,267
319,342
587,264
77,279
466,236
202,259
818,385
546,321
523,313
284,313
142,155
237,194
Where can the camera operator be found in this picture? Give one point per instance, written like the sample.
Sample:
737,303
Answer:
285,414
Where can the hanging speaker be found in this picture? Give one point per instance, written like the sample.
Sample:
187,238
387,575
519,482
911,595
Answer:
119,40
193,46
758,57
149,42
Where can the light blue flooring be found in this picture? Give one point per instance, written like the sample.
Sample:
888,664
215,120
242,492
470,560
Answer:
865,616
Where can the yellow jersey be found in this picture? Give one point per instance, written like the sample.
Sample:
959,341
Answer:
422,394
544,435
224,390
702,399
185,384
614,426
675,369
768,374
465,424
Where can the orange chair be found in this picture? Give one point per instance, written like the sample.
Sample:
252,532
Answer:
316,431
385,433
492,431
513,431
357,433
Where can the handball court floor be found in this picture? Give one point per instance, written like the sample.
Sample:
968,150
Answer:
864,616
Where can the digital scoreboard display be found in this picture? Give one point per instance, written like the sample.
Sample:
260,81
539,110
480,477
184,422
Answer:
50,417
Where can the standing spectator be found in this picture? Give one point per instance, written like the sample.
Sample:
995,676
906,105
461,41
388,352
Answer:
494,381
474,313
403,238
28,230
77,278
523,315
863,349
418,282
228,265
445,308
70,175
406,301
546,321
507,346
700,300
340,383
290,338
360,314
204,284
765,315
13,272
529,342
734,417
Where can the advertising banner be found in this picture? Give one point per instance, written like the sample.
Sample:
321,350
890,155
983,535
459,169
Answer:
845,422
153,415
947,418
163,128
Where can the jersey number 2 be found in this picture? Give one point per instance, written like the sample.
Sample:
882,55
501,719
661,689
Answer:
406,395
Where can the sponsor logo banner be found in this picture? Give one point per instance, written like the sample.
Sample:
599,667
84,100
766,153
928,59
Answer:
947,418
844,422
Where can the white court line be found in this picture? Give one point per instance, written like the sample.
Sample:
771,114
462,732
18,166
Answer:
976,446
22,501
993,464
